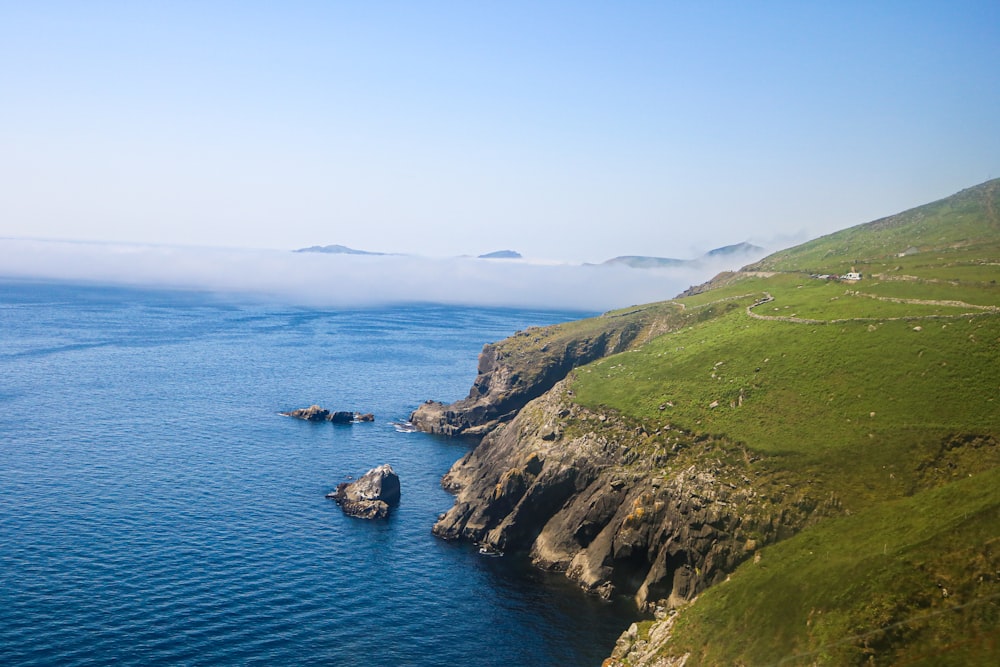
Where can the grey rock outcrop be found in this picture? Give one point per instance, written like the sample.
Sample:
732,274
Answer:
636,649
315,413
619,510
505,383
341,417
371,496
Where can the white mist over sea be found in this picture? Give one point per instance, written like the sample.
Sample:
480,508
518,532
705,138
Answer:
325,280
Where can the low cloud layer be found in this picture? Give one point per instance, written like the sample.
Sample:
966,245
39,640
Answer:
352,281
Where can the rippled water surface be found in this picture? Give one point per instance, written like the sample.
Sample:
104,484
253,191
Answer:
155,509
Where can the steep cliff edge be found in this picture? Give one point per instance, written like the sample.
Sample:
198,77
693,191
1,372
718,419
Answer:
659,515
816,463
526,365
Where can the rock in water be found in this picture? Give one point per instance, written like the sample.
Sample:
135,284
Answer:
313,413
341,417
371,496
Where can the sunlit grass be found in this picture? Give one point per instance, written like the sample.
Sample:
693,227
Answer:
896,582
806,387
883,394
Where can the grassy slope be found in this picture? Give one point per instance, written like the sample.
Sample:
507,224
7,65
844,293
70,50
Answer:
907,581
887,405
963,221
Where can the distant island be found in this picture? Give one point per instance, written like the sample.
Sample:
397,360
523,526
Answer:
631,261
501,254
338,250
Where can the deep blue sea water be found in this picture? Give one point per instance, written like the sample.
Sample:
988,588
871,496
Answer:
155,509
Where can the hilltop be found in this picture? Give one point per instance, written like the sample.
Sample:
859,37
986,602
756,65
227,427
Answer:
741,251
952,228
782,464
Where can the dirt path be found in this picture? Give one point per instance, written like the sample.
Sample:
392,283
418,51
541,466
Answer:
767,298
927,302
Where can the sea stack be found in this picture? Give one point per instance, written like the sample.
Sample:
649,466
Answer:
371,496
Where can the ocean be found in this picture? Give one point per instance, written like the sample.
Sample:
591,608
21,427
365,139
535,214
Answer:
156,509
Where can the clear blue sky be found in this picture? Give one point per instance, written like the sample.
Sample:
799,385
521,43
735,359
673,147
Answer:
564,130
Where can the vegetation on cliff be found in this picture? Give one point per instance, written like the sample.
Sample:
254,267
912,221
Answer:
788,466
881,392
529,363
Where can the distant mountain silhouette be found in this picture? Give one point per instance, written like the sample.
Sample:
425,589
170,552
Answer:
642,262
338,250
501,254
736,248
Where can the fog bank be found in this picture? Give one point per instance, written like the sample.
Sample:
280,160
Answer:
321,280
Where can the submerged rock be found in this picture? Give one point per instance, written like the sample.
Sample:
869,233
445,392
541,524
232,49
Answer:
371,496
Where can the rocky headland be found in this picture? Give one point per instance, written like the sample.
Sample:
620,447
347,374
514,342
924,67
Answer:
620,510
824,485
521,368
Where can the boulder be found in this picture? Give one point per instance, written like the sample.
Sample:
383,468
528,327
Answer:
371,496
364,417
341,417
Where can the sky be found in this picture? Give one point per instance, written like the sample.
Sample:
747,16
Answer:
568,131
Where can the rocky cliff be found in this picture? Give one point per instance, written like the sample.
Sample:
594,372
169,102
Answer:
622,507
521,368
658,515
645,509
855,467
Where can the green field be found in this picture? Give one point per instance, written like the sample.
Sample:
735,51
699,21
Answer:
883,393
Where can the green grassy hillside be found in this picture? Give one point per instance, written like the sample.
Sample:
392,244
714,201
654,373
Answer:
911,581
965,221
882,393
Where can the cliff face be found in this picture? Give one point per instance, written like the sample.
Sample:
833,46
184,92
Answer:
501,387
496,395
523,367
626,496
620,510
